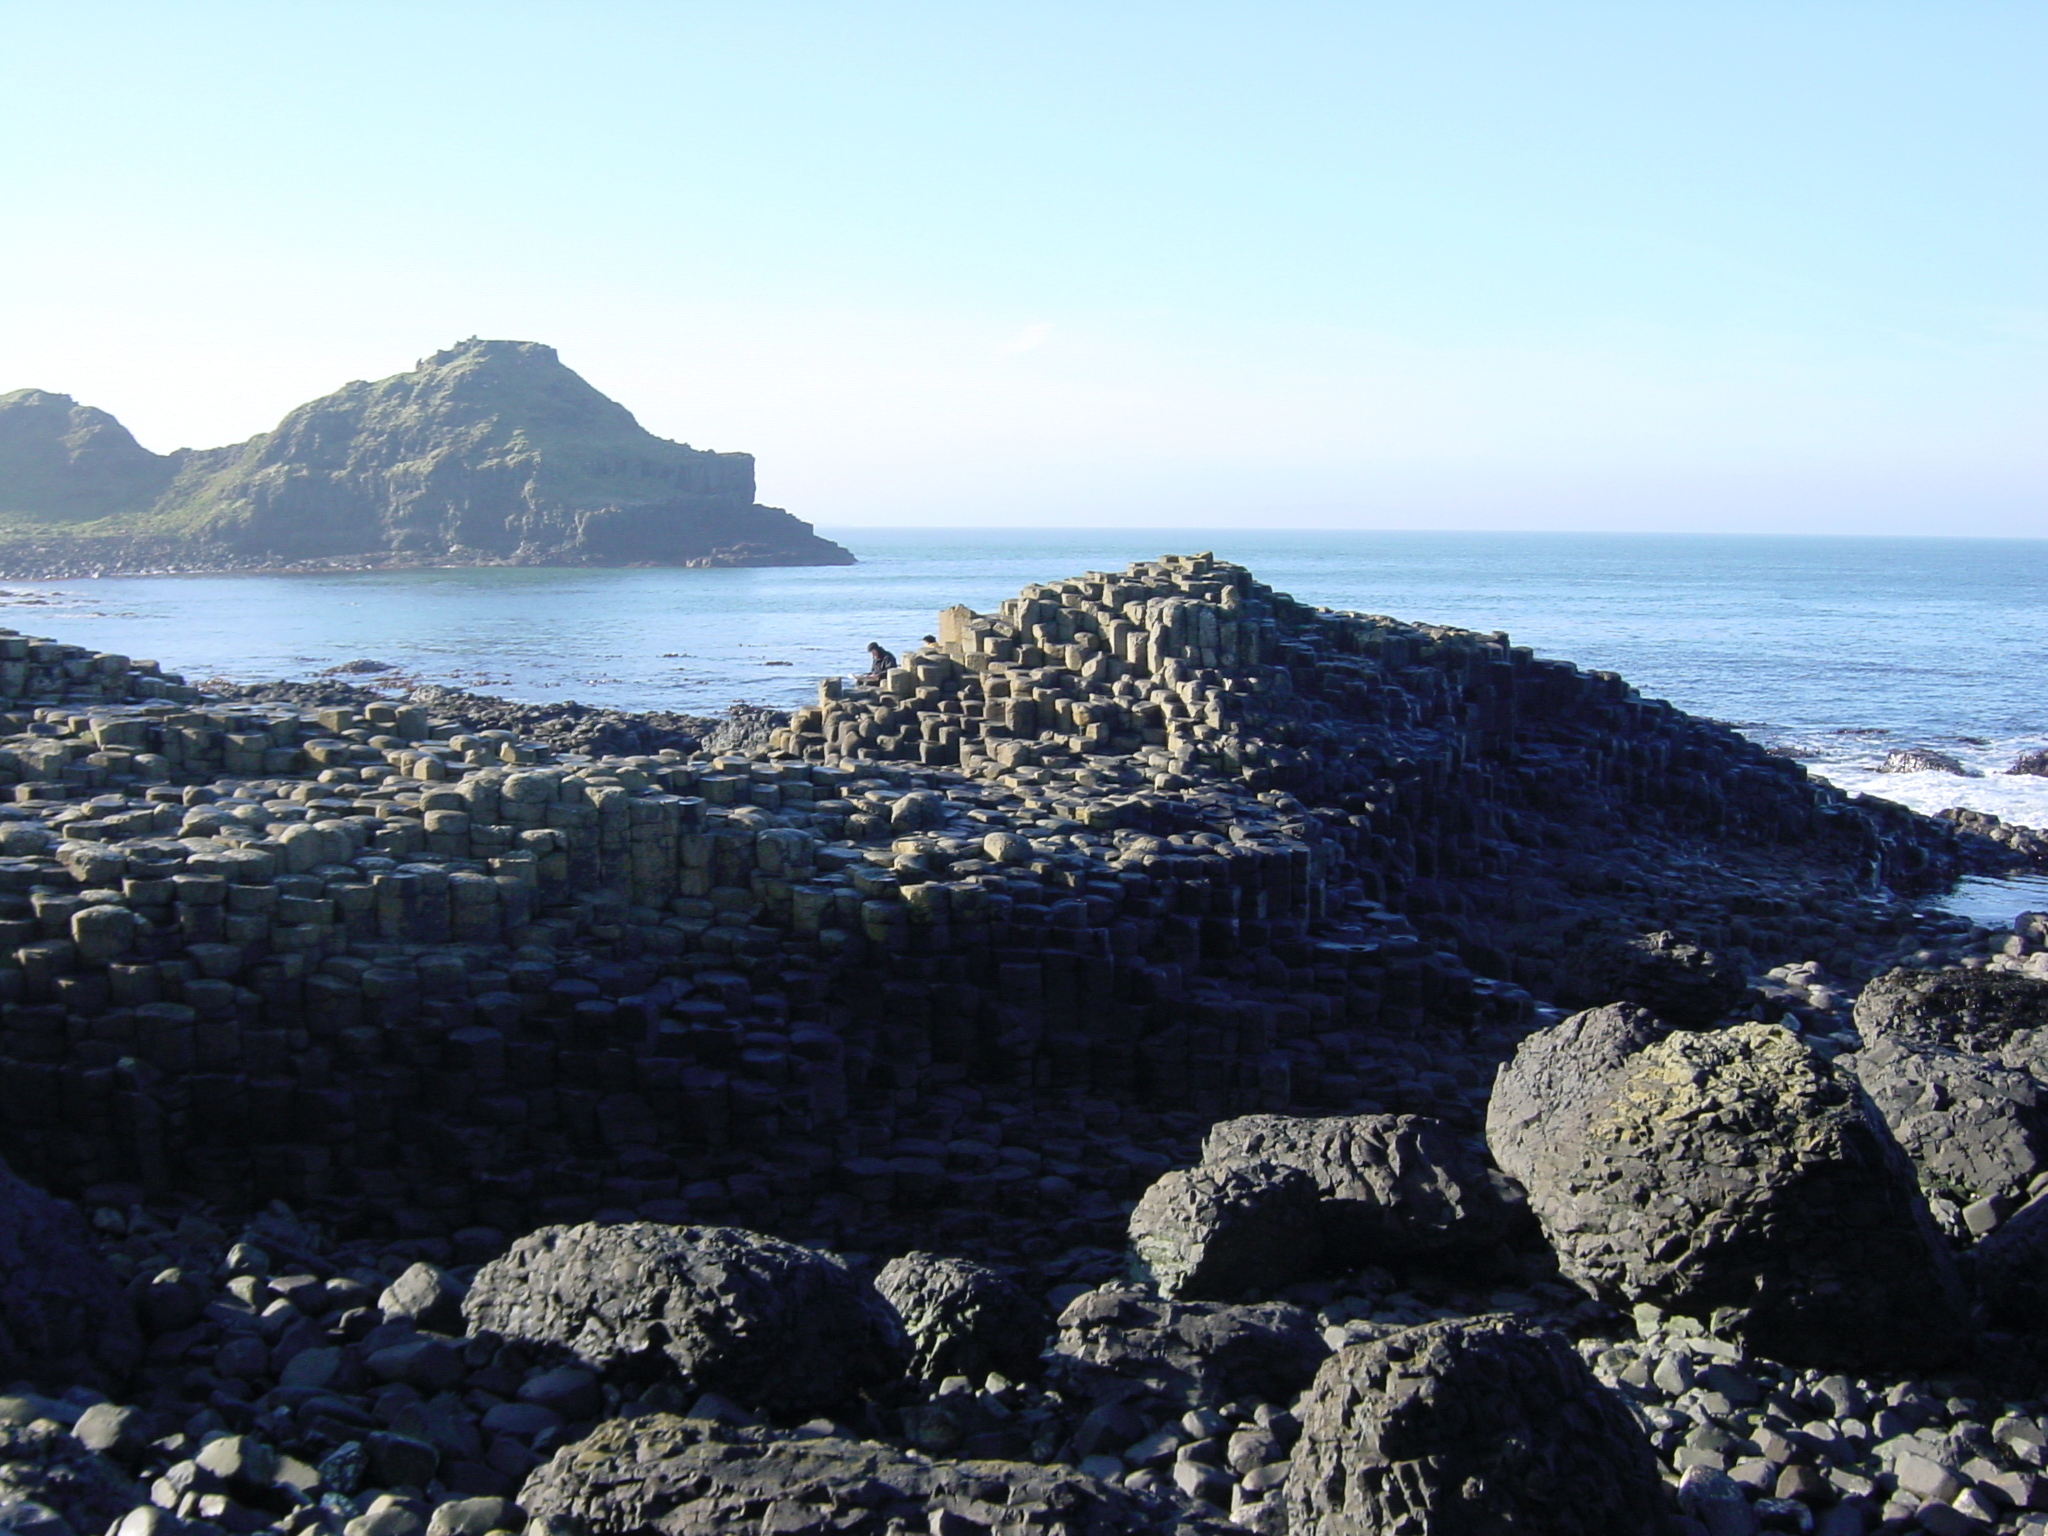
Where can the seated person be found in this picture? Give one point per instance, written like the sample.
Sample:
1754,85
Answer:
879,663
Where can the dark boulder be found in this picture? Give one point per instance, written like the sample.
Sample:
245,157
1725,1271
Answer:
963,1318
1393,1187
1965,1010
761,1321
1118,1344
1731,1176
1224,1231
1974,1128
2034,764
697,1477
1474,1427
1684,984
65,1317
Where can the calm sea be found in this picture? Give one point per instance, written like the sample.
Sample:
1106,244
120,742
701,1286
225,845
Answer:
1839,648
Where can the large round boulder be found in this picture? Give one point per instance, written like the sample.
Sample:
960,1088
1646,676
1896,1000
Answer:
697,1477
761,1321
1392,1187
963,1318
1977,1011
1974,1129
1470,1427
1682,983
65,1318
1225,1231
1731,1176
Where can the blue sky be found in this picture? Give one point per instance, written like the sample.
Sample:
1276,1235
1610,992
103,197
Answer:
1741,267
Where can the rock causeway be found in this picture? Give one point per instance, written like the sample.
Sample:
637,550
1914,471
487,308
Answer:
1164,1057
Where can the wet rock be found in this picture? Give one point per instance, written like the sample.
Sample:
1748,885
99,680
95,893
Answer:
1732,1176
64,1315
1684,984
1966,1010
1225,1231
2031,763
1392,1187
963,1318
692,1476
763,1321
1924,760
1467,1427
1113,1344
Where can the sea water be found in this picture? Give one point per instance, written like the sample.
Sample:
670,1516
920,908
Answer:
1836,650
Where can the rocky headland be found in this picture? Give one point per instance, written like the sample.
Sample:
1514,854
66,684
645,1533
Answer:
489,453
1166,1058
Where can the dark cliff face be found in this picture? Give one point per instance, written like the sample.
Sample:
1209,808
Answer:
491,450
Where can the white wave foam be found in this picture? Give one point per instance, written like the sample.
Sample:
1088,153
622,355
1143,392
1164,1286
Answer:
1851,762
2018,798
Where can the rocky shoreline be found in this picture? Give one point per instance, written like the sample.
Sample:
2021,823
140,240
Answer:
46,556
1116,1074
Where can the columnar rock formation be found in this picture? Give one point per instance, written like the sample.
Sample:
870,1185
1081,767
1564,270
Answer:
1143,847
955,974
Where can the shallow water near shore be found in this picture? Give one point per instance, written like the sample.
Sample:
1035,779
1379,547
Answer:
1995,903
1836,650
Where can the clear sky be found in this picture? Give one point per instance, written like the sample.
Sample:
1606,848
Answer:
1649,264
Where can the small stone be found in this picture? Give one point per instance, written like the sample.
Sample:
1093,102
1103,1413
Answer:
1801,1482
1943,1519
1199,1481
522,1419
570,1392
399,1461
145,1520
243,1357
245,1259
1926,1479
341,1469
1250,1448
475,1517
425,1295
425,1364
311,1368
1156,1449
112,1429
1714,1499
392,1519
240,1459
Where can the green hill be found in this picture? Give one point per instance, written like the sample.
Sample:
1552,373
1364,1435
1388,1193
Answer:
491,452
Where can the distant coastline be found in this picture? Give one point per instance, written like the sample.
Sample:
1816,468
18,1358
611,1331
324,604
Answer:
59,559
487,453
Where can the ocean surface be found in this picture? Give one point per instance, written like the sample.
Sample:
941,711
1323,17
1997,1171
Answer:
1837,649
